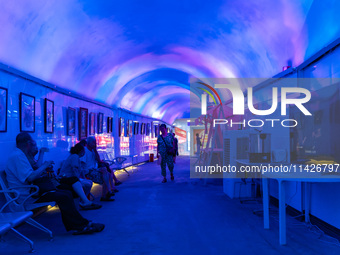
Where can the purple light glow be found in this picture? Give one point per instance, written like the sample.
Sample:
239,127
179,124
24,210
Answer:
99,50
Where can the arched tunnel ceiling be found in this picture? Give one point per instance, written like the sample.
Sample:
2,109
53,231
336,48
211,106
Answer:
140,55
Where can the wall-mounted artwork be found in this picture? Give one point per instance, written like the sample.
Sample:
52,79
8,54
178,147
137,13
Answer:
27,113
130,125
121,128
136,128
109,124
3,109
49,116
92,121
71,121
142,129
100,122
147,131
83,121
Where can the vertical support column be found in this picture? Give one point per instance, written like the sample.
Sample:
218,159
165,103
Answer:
265,203
282,211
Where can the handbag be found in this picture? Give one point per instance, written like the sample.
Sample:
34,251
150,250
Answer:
169,150
45,184
95,176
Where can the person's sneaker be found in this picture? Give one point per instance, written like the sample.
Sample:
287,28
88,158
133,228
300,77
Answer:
97,227
164,180
92,206
118,183
85,231
107,199
172,177
110,194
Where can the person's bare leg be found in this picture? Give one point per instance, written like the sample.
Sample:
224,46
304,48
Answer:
106,184
112,185
80,192
114,176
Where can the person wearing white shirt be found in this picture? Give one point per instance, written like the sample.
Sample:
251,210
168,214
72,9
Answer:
97,174
20,172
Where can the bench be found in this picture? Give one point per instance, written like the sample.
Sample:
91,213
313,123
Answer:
118,161
10,220
26,205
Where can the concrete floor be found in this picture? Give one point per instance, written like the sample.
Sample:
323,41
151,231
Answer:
181,217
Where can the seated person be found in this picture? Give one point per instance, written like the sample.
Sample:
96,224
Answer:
70,174
102,163
97,174
19,172
71,183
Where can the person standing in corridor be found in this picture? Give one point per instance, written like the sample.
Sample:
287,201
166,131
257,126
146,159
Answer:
165,149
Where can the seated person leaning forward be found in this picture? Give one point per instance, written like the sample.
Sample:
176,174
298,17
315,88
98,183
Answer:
19,172
97,174
70,178
70,174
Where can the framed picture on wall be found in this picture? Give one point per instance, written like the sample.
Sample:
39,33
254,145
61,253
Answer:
71,121
130,127
100,122
92,121
135,128
142,129
127,128
49,116
121,128
82,122
27,113
3,109
109,124
147,131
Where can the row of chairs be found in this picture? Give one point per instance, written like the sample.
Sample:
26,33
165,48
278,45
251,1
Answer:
116,163
14,212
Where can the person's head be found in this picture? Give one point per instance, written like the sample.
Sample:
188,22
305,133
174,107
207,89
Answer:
25,142
91,143
197,134
163,129
83,142
78,149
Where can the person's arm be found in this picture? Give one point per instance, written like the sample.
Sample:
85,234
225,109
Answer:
75,165
41,156
35,174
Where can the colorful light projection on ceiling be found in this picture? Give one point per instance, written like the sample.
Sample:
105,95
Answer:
140,55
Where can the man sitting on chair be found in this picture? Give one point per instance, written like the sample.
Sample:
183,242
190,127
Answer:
96,172
19,172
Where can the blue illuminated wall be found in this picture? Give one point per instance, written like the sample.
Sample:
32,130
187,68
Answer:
17,82
141,55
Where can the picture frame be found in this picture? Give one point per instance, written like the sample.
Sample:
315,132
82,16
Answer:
121,128
109,124
49,116
147,131
83,123
136,128
100,123
71,121
142,129
3,109
27,113
130,125
92,121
